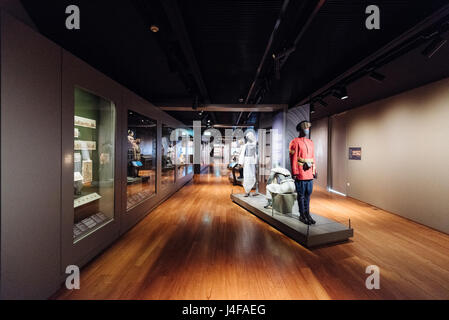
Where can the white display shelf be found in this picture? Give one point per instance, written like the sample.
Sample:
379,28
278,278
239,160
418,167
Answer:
88,225
86,199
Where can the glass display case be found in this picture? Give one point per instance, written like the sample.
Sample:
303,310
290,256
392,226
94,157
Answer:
141,158
190,150
168,157
93,157
183,146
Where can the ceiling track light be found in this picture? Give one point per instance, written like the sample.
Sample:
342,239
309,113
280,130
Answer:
434,46
340,93
376,76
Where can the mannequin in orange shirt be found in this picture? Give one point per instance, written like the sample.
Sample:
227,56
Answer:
302,159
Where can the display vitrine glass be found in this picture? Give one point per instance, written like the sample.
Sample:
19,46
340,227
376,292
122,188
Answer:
94,141
141,158
183,144
190,146
168,157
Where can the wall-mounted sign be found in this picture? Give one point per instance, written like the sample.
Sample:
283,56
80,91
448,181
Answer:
355,153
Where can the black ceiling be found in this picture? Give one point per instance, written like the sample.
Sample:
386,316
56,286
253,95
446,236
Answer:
211,49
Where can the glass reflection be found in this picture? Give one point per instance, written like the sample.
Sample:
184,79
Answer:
141,160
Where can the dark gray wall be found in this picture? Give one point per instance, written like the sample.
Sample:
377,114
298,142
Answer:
30,162
35,211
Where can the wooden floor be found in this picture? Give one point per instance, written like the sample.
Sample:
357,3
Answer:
200,245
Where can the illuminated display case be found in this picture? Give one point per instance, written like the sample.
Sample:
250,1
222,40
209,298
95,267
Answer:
168,151
93,163
141,158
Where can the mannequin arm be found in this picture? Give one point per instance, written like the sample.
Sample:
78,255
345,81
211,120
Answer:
293,159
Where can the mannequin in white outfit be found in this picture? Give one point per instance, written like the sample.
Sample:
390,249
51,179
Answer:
248,159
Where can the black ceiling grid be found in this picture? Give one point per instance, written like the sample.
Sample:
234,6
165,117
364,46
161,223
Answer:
228,39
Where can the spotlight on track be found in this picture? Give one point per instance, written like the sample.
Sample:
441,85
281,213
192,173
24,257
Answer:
436,44
154,28
376,76
340,93
312,108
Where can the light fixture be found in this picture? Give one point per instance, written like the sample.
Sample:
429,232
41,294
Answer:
376,76
154,28
340,93
241,100
312,108
434,46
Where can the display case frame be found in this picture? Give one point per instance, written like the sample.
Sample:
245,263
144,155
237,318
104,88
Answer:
132,102
78,74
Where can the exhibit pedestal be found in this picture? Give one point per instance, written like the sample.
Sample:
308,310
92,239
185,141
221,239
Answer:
325,231
285,203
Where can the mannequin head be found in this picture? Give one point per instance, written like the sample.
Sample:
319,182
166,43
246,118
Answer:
303,128
250,137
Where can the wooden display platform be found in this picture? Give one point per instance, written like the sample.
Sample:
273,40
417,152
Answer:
325,231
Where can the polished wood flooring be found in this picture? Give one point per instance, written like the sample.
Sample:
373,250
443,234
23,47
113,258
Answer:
200,245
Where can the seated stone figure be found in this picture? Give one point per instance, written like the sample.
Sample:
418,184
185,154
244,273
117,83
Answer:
281,190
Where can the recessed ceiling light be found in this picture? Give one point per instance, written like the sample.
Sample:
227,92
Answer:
312,109
154,28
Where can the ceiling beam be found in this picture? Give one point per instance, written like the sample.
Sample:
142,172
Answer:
276,33
177,23
303,30
268,49
226,107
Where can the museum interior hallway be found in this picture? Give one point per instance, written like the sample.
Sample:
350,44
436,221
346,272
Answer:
200,245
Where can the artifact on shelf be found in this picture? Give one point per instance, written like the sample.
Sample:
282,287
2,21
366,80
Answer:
85,122
78,182
85,145
87,171
86,199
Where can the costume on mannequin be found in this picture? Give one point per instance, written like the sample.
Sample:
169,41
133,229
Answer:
133,155
248,159
302,160
279,182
